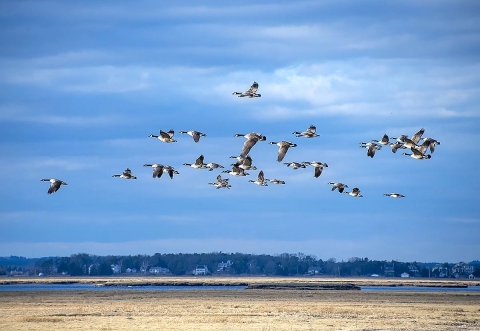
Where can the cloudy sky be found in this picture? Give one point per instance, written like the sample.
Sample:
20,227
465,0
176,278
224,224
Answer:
83,85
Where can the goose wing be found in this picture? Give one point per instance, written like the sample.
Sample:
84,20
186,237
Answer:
253,89
247,146
196,136
416,137
318,171
199,160
261,177
282,151
54,186
157,171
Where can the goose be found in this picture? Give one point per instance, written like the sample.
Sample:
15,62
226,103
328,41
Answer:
251,92
283,148
308,133
246,164
166,137
127,174
423,147
194,134
416,137
384,141
318,167
212,166
397,145
338,185
252,139
412,142
157,169
54,184
295,165
221,183
394,195
276,181
416,154
433,144
170,171
236,171
198,163
260,179
371,148
355,193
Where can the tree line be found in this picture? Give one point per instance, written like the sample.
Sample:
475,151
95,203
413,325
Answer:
285,264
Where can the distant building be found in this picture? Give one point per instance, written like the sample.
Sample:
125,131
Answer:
131,270
405,275
159,270
224,266
116,268
312,271
200,269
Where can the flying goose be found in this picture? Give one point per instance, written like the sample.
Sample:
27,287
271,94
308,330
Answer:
412,142
308,133
416,154
416,137
337,185
166,137
433,144
397,145
260,179
198,163
384,141
212,166
194,134
236,171
394,195
283,148
246,164
252,139
251,92
221,183
318,167
127,174
157,169
295,165
54,184
355,193
170,171
276,181
371,148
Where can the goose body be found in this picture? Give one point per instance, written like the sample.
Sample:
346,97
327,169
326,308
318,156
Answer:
221,183
55,184
371,148
283,148
318,167
250,93
246,164
166,137
194,134
396,146
157,169
252,139
295,165
355,193
276,181
236,171
416,154
308,133
432,144
127,174
394,195
260,180
337,185
198,163
210,166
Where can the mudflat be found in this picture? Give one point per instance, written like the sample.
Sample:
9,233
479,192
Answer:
242,310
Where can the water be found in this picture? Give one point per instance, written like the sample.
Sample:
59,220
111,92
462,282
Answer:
420,289
90,287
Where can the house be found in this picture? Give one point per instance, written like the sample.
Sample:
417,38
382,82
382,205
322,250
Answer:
159,270
131,270
224,266
413,270
116,268
200,269
405,275
312,271
462,269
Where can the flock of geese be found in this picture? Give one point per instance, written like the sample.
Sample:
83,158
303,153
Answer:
243,162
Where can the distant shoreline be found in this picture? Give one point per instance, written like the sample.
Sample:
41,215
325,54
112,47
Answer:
300,283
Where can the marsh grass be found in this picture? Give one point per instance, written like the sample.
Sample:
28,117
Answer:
239,310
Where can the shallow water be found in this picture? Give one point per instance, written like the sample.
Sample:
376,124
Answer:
420,288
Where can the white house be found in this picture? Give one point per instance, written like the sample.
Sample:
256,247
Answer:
201,269
404,275
159,270
224,266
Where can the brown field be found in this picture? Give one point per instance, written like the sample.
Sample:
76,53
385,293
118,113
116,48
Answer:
242,310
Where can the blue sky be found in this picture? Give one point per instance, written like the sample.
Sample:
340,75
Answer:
83,84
